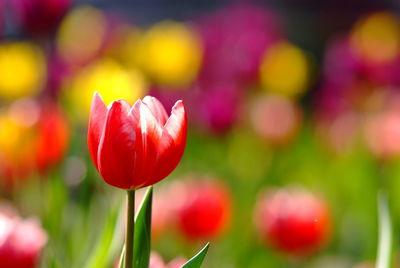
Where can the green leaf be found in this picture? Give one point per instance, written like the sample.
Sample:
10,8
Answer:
143,232
197,260
122,258
104,252
385,233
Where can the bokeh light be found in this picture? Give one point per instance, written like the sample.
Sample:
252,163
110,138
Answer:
170,52
22,69
107,77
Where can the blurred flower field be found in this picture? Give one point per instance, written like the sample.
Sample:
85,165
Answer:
292,156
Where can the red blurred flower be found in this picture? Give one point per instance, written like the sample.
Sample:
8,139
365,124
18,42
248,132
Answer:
204,208
34,137
136,146
53,138
293,221
21,241
40,17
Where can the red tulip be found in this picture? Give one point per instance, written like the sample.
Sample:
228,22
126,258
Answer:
295,222
204,209
136,146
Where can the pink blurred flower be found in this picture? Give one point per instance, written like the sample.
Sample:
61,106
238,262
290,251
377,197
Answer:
156,261
21,242
382,130
177,262
276,119
341,132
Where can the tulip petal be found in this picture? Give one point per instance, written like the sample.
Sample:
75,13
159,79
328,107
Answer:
149,133
176,124
98,112
171,145
157,109
116,155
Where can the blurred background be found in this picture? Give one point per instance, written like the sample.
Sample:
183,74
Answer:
294,111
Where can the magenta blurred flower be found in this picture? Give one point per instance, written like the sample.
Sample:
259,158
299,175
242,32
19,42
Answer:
203,208
235,39
218,106
57,73
214,107
40,17
21,241
349,80
2,5
340,62
293,221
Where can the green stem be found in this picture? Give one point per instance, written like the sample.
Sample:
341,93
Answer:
130,229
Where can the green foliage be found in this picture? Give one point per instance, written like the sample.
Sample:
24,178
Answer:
197,260
143,231
103,253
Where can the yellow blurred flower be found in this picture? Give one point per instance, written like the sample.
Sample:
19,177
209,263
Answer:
22,70
16,135
285,70
81,34
376,38
170,53
110,79
129,52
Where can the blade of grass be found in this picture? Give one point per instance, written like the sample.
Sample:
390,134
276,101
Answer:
385,233
122,258
103,253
